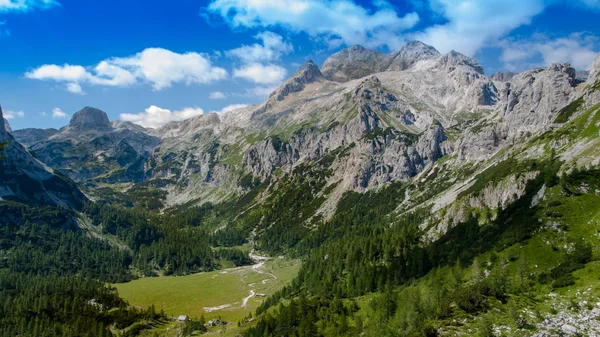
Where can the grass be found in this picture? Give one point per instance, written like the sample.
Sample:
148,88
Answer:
192,295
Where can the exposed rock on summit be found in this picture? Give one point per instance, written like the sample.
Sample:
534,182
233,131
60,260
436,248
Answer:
90,118
308,73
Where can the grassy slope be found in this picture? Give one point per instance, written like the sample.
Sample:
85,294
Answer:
190,295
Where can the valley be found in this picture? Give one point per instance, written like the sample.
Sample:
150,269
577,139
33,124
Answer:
400,194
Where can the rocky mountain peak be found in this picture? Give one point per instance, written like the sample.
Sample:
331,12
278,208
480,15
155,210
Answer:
354,62
566,69
453,59
90,118
410,54
305,75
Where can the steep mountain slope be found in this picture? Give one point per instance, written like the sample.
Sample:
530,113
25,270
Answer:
25,179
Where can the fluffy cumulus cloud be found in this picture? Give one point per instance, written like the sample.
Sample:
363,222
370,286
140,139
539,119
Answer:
216,95
8,114
577,49
259,62
230,108
159,67
336,22
25,5
57,113
154,116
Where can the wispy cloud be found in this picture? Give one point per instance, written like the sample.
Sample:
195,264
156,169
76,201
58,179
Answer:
217,95
24,6
9,114
540,50
161,68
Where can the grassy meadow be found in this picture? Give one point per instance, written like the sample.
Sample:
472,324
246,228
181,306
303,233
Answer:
218,293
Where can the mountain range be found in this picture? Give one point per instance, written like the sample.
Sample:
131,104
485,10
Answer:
423,197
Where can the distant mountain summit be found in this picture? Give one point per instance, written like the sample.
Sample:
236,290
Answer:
90,118
308,73
357,61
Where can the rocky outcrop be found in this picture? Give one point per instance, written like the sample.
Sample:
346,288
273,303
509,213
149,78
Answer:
308,73
532,99
90,118
25,179
454,59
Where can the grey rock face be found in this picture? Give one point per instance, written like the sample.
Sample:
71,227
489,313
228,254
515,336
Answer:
531,100
6,124
410,54
90,118
504,76
354,62
308,73
453,59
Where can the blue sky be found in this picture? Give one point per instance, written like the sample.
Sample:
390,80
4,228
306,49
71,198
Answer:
152,62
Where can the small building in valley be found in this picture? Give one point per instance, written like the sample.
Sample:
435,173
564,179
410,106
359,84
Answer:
182,318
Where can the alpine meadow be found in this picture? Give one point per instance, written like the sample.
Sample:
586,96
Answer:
299,168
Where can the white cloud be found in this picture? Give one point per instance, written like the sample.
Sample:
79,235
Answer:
216,95
75,89
43,113
271,49
154,117
25,5
334,22
8,114
57,113
156,66
261,74
230,108
577,49
472,24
